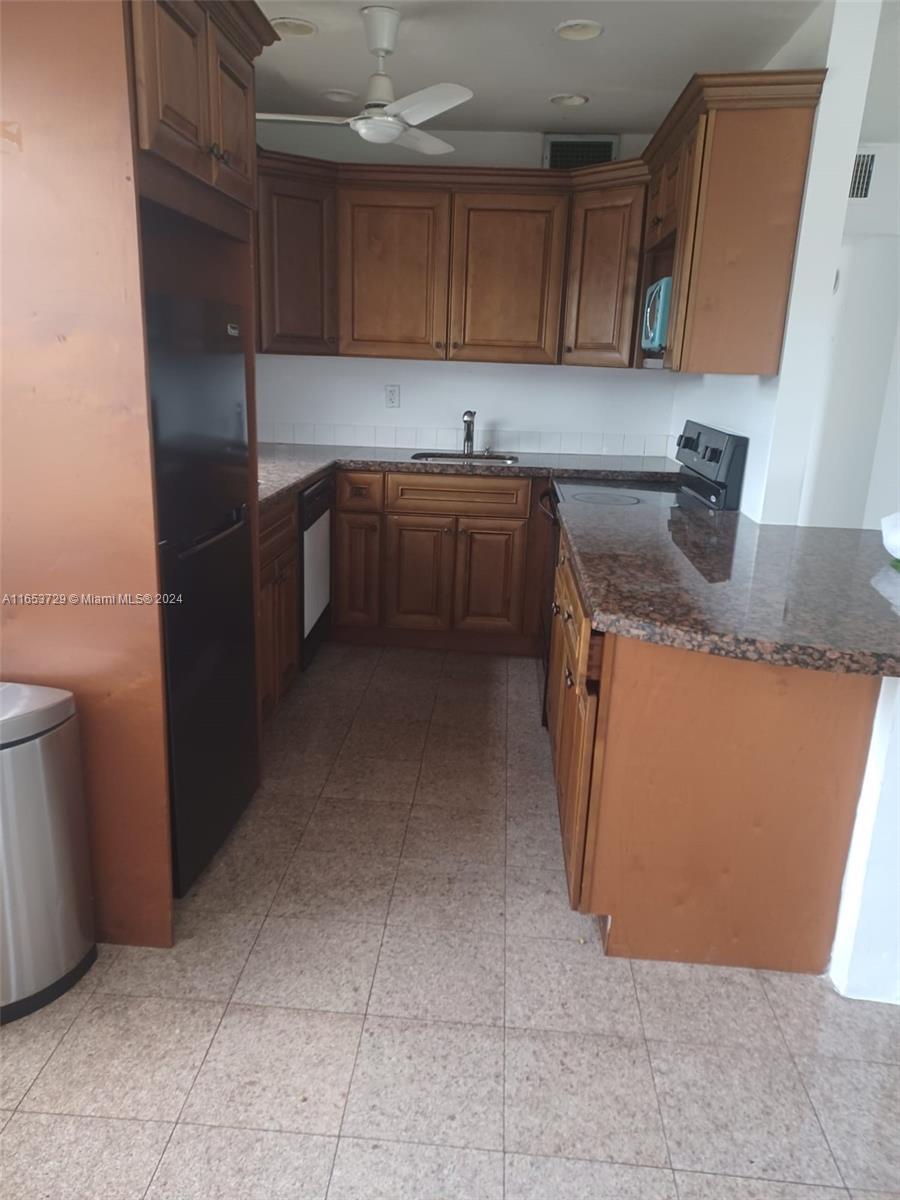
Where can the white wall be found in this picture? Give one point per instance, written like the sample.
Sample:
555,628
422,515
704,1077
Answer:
884,485
473,148
558,409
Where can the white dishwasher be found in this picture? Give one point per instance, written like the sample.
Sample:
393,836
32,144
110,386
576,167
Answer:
316,504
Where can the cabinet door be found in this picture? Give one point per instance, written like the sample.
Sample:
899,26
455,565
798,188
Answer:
579,721
268,646
555,679
418,566
653,219
490,575
357,555
394,253
171,66
297,265
604,260
287,618
232,119
506,277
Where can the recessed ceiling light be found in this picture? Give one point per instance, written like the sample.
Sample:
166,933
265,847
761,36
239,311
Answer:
580,30
295,26
339,95
569,100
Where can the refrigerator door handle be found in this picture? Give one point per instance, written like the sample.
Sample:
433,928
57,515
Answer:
240,515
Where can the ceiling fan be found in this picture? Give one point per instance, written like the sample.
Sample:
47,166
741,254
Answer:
384,119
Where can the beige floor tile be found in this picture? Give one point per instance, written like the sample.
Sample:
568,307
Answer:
532,792
402,705
465,834
78,1158
375,780
569,987
376,736
244,875
277,800
487,667
276,1068
243,1164
735,1110
533,838
339,668
859,1107
455,781
353,826
580,1096
342,885
538,906
301,963
289,780
474,707
687,1002
437,975
5,1114
815,1019
397,664
568,1179
424,1082
430,894
26,1044
210,950
307,734
720,1187
856,1194
127,1057
367,1170
458,748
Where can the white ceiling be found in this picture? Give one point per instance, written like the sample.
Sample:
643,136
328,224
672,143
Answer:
506,51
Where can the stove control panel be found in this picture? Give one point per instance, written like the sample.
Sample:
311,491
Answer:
712,464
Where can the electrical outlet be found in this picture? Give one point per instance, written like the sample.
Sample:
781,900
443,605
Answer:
392,395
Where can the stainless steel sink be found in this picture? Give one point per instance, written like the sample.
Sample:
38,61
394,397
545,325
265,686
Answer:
479,456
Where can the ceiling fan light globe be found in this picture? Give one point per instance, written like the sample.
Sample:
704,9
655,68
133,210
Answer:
380,130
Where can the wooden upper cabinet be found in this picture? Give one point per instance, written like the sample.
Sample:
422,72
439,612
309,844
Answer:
418,572
232,118
393,261
297,264
506,276
604,260
171,53
490,575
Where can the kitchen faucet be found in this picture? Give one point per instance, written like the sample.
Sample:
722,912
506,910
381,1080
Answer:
468,433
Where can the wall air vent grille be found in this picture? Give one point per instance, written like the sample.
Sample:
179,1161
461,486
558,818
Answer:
565,151
862,176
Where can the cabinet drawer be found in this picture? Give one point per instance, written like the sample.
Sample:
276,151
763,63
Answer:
278,529
460,495
360,491
575,621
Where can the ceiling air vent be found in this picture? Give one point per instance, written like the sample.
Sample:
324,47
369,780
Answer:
567,150
862,176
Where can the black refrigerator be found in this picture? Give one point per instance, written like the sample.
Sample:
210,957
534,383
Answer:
198,401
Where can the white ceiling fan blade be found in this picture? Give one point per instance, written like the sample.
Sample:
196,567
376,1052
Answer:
420,106
425,143
302,120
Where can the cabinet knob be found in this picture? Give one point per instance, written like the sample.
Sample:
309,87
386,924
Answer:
567,615
570,678
456,345
555,609
215,150
447,529
569,349
438,345
657,220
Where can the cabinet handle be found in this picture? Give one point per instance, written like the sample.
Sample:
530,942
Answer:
656,221
570,678
447,529
456,345
438,345
555,609
567,615
568,349
215,150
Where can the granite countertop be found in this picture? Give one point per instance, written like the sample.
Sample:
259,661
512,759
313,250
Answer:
284,468
670,571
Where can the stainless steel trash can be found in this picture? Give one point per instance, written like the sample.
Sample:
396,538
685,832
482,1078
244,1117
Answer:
46,922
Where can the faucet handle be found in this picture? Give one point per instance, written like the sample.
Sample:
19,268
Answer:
468,415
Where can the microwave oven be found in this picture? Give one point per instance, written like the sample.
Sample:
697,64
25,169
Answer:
656,314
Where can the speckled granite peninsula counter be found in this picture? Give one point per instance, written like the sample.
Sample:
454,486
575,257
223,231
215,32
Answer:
660,567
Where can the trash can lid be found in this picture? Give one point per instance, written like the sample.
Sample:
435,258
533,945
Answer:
27,710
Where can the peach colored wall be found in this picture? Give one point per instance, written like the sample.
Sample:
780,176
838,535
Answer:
76,486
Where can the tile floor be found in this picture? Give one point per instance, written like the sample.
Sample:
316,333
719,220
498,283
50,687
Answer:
378,992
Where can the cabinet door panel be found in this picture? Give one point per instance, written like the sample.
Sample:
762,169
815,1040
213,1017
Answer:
582,712
490,575
171,59
418,563
357,558
297,265
268,649
287,620
506,278
603,271
393,260
233,118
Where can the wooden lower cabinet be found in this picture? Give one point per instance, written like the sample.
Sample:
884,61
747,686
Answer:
706,803
490,575
357,569
418,571
279,634
267,650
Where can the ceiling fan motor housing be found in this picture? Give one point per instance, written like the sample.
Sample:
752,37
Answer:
381,28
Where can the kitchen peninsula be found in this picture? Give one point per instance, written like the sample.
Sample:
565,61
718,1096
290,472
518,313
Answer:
711,690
